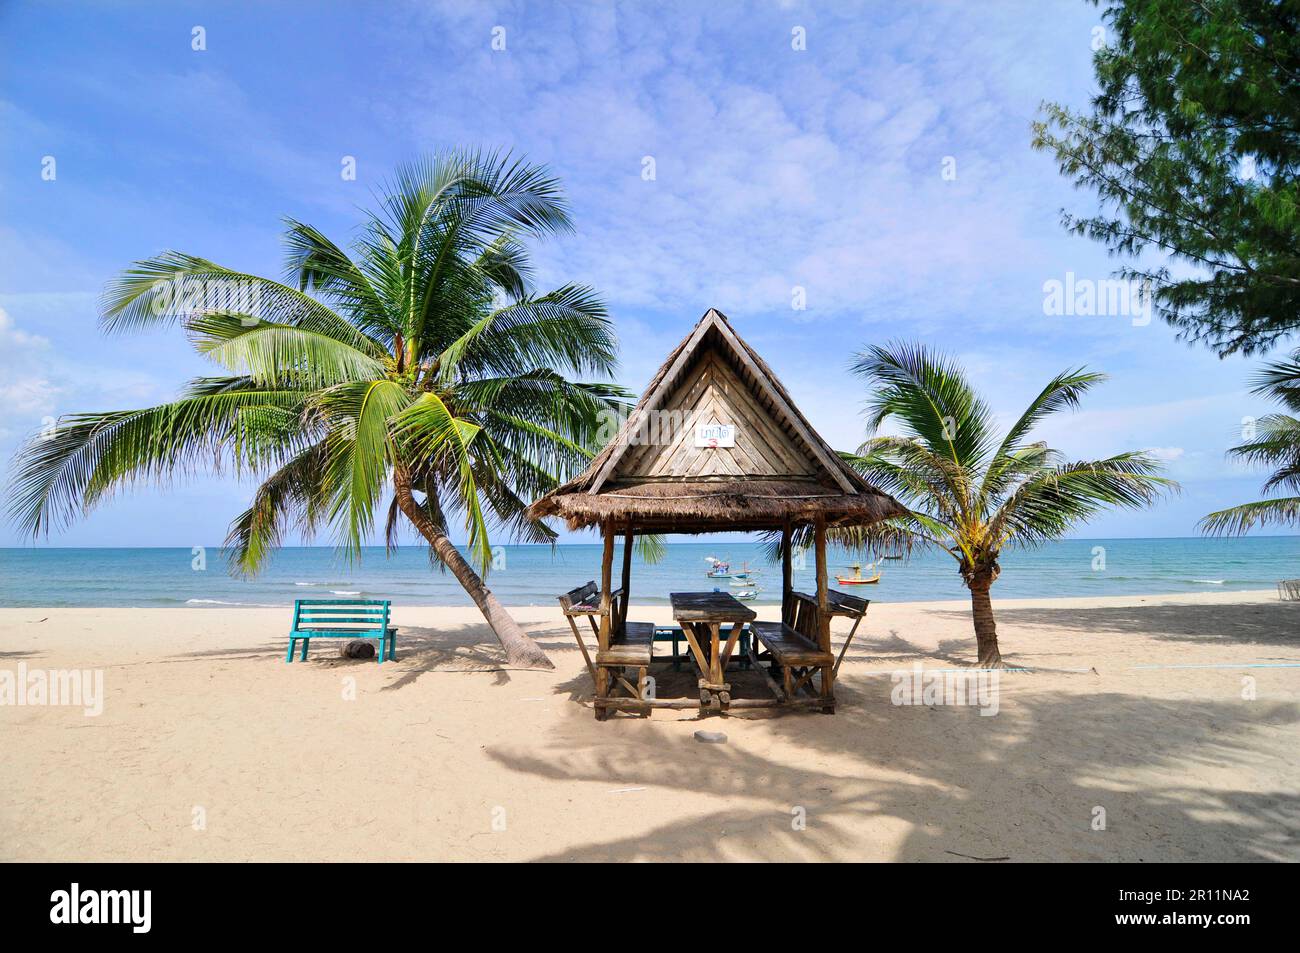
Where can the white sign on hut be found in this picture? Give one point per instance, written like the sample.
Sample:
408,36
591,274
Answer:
712,436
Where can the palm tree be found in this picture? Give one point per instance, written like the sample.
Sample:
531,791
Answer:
1275,443
421,363
969,492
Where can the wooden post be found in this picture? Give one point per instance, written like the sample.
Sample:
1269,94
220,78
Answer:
627,577
606,587
787,570
824,616
823,593
603,635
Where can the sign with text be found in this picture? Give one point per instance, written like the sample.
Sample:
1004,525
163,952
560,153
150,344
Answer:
715,435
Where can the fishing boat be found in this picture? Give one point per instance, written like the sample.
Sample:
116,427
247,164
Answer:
722,570
857,579
748,595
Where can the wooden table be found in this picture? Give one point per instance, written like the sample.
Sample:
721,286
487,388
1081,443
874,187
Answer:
702,616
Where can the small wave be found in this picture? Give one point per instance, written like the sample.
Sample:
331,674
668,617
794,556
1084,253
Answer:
306,583
223,602
1211,582
345,592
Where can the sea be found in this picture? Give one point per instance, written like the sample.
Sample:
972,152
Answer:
535,575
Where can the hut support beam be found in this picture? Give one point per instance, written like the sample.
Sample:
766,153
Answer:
627,579
823,615
606,574
787,570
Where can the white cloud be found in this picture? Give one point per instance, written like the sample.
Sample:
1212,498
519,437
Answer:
26,391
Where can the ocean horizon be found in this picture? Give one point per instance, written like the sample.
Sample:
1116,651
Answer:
525,575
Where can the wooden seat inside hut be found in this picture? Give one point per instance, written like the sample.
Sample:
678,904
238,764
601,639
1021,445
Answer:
715,444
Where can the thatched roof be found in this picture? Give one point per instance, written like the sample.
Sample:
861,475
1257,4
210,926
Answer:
660,474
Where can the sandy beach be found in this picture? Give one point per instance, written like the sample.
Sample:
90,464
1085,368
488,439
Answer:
1176,716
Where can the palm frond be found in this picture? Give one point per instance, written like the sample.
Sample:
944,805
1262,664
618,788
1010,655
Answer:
567,329
428,429
65,473
1237,520
1280,380
173,288
294,494
272,353
358,454
1048,504
318,266
930,396
1063,392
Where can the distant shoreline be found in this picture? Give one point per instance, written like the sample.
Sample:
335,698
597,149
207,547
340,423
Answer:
534,575
1231,597
718,541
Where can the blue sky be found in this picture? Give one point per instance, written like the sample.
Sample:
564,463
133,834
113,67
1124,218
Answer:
820,168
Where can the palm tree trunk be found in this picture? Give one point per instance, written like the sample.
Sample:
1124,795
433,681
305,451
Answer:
521,650
986,628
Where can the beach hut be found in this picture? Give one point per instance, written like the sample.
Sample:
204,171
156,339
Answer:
715,444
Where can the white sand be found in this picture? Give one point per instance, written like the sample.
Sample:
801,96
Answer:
202,715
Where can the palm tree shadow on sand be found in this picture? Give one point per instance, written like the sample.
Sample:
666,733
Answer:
919,783
1231,624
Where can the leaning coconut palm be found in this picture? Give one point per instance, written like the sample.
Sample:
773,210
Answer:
1275,443
419,363
971,493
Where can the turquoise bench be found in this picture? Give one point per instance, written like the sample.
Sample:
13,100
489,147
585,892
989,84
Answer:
342,619
674,634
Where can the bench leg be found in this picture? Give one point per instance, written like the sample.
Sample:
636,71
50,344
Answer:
392,646
293,644
383,649
828,689
602,691
305,643
641,687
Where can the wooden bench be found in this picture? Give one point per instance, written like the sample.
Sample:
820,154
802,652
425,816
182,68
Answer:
840,604
788,647
631,644
342,619
579,602
795,655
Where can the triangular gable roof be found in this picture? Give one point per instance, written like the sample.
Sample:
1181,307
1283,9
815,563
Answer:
779,468
774,403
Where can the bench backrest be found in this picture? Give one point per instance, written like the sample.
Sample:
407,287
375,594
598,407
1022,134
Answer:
848,603
803,615
343,614
578,596
586,601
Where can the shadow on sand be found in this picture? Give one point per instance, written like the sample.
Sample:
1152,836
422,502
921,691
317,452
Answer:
1238,624
945,781
919,783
